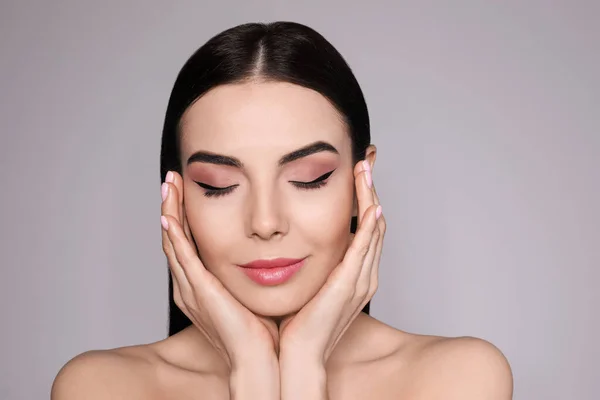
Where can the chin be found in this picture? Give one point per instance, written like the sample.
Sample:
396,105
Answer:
275,301
274,312
279,300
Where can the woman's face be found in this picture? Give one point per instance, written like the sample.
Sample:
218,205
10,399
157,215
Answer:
266,214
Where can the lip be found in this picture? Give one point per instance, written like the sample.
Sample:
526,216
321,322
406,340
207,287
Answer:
272,272
274,263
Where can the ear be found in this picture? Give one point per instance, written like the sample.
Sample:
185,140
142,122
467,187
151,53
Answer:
370,156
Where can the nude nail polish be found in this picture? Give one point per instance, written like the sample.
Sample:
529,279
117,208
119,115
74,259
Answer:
164,223
164,190
366,166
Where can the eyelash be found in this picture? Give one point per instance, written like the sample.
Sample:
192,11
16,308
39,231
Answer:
211,191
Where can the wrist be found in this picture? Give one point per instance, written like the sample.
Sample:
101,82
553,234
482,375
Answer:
302,379
253,356
295,356
255,380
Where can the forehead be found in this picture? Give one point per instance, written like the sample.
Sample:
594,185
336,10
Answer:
261,117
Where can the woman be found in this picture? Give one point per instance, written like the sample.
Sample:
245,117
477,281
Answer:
266,160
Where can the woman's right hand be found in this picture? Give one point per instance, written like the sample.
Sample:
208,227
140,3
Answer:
235,332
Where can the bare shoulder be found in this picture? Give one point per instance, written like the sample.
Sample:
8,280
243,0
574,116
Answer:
122,373
379,361
459,368
172,368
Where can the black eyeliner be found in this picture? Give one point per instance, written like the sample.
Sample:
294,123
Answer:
212,191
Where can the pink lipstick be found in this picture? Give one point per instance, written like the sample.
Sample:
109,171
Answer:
272,272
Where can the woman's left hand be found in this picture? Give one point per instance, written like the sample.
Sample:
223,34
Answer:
310,335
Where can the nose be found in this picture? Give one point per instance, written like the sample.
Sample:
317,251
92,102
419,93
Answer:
266,216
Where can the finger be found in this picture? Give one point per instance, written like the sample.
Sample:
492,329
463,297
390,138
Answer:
178,194
178,296
171,205
184,254
364,280
355,256
382,226
167,193
184,280
374,279
365,285
180,281
375,196
177,182
174,205
375,270
195,282
187,230
204,286
368,281
381,223
363,183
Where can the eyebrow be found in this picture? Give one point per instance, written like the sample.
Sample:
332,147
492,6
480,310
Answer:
220,159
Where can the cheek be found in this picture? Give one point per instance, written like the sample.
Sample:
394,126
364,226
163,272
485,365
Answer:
326,223
321,221
208,231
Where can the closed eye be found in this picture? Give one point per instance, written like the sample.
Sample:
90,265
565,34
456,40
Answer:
317,183
213,191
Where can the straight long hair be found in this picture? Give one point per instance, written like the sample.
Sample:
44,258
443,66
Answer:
278,51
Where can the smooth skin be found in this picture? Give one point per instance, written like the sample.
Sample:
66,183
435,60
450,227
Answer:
295,352
308,338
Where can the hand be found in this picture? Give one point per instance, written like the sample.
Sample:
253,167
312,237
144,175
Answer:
314,331
203,298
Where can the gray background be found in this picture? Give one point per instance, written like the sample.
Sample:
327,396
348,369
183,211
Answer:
486,115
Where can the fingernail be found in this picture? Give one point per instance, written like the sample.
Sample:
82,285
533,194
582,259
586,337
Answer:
164,222
378,212
366,165
164,190
169,177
